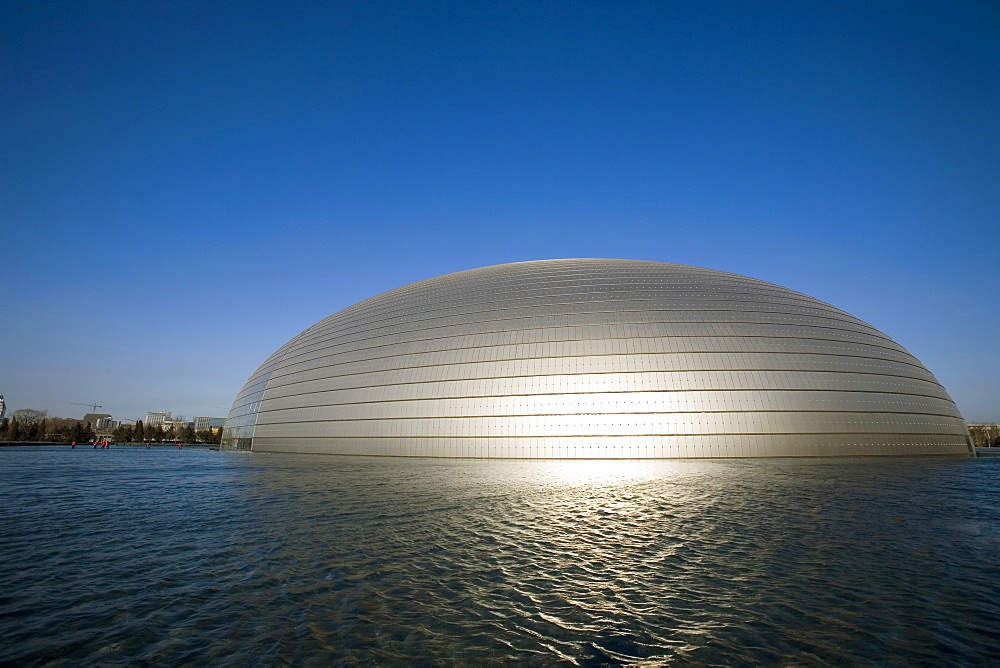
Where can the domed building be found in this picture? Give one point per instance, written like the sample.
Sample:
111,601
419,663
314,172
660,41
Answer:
593,358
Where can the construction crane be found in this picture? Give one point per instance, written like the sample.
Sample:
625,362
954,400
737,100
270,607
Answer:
94,407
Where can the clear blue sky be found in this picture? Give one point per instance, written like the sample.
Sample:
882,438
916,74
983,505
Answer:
184,186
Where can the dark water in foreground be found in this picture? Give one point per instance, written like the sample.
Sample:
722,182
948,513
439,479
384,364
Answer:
133,556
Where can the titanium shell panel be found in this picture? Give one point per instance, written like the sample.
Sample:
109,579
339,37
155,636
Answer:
593,358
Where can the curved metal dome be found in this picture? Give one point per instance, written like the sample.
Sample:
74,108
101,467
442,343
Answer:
593,358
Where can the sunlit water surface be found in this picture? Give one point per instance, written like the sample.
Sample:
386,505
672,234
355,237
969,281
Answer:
133,556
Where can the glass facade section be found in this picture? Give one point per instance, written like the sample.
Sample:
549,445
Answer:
594,359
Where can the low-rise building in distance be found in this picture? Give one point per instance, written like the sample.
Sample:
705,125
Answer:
154,418
106,424
176,424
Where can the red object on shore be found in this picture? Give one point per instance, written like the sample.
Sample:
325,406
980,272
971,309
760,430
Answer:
180,445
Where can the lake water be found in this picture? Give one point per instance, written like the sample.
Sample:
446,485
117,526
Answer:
190,556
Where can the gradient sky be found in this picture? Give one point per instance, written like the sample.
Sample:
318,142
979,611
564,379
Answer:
184,186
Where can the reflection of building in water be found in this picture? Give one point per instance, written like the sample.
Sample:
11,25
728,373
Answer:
595,359
3,407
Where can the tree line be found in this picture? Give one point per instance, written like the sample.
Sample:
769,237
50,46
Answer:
33,426
140,433
13,429
985,435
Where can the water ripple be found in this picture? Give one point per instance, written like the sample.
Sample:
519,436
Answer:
136,556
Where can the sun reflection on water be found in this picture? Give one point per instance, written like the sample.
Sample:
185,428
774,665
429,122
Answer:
374,561
604,472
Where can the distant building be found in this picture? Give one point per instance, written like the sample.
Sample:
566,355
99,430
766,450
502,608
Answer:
153,419
94,418
208,423
176,425
3,407
106,424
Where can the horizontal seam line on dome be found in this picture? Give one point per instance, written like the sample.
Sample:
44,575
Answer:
728,433
575,277
591,373
631,338
345,332
403,313
680,352
572,415
544,299
848,318
305,352
517,273
596,373
542,280
514,301
489,293
592,356
877,333
561,394
442,350
613,290
617,324
558,394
